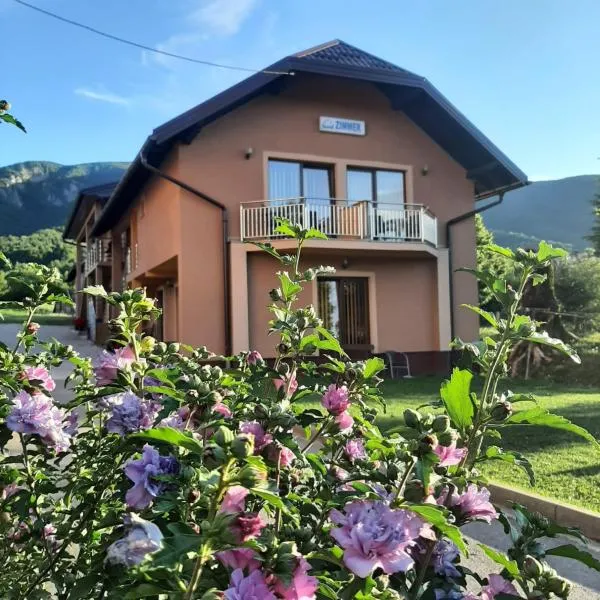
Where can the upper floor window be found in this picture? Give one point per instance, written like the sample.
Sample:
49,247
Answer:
295,180
376,185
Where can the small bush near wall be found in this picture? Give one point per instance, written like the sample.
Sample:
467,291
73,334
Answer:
167,478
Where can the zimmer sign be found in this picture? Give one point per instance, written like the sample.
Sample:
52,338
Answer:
345,126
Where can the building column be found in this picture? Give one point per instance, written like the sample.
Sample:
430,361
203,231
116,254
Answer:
443,292
240,333
78,280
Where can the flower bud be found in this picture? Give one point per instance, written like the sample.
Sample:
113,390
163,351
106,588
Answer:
275,295
193,496
223,436
501,411
251,476
283,368
283,348
414,491
412,418
441,424
161,348
214,456
447,438
32,328
559,586
392,472
243,445
4,106
173,347
532,567
215,397
148,344
427,443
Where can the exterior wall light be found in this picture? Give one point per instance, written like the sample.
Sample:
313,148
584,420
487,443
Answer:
425,170
345,263
249,152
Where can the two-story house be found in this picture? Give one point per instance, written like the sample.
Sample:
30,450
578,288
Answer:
332,137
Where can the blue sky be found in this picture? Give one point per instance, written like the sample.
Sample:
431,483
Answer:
524,72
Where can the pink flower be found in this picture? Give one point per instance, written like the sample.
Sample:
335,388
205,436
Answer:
9,490
252,587
49,534
289,383
254,357
261,439
335,400
497,585
282,455
108,364
38,377
234,500
247,526
375,536
340,474
355,450
239,558
473,504
223,410
302,587
344,421
449,455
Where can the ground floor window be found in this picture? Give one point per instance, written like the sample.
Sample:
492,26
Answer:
343,304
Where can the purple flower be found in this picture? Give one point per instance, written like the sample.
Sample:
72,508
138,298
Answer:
143,539
335,400
261,439
234,500
473,504
344,421
375,536
253,587
144,472
130,414
497,585
254,356
454,595
449,455
355,450
239,558
444,555
174,420
108,364
38,377
302,587
37,415
71,423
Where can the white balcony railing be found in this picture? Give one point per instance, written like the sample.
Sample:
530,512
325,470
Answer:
97,252
362,220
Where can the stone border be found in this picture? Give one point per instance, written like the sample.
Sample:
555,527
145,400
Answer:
588,522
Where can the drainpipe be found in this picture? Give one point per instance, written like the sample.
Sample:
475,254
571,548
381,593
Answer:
449,225
226,253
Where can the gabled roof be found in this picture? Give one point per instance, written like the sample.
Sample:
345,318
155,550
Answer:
84,203
490,170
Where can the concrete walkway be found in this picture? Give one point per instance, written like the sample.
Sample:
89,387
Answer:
586,581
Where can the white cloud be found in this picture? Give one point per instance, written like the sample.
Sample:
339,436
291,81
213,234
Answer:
103,96
223,17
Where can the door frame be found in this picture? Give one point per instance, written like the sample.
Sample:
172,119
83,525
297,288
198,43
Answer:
371,299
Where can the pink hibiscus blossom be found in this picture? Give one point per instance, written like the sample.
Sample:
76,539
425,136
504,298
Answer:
355,450
280,455
223,410
239,558
261,439
107,367
449,455
254,356
302,587
252,587
335,400
234,500
473,504
375,536
247,526
289,382
344,421
497,585
38,377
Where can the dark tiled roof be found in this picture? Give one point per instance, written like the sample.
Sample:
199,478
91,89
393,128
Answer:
341,53
83,203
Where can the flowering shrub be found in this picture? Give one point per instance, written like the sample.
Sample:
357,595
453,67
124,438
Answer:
171,473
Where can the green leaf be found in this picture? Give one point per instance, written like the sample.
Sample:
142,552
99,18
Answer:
4,260
83,586
542,337
333,343
509,456
144,590
438,517
269,497
506,252
165,391
546,252
488,316
456,396
373,366
268,248
500,558
60,298
13,121
95,290
289,288
162,375
571,551
313,233
539,416
284,227
171,436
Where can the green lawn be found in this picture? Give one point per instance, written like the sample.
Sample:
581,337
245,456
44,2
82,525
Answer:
567,467
12,315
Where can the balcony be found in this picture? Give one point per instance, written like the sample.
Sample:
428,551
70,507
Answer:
340,219
97,253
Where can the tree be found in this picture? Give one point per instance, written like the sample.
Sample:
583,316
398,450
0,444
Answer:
487,261
594,236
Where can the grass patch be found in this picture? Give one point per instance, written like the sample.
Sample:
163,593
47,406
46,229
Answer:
567,467
13,315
